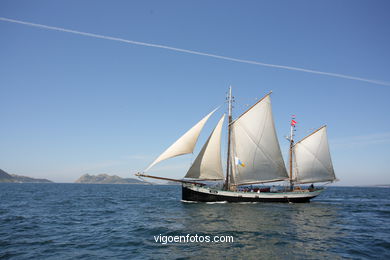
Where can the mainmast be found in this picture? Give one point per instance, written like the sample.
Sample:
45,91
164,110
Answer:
228,164
291,139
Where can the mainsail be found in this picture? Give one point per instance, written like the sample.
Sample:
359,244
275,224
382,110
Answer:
256,149
207,164
312,158
184,144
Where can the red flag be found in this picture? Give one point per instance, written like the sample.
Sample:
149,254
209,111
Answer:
293,122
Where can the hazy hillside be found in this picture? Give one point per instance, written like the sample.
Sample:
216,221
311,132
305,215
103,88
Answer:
5,177
25,179
107,179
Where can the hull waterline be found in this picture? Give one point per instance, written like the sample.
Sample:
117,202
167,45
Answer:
204,194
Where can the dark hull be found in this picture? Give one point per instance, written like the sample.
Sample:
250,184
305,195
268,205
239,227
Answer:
192,195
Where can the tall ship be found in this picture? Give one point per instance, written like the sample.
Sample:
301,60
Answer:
254,158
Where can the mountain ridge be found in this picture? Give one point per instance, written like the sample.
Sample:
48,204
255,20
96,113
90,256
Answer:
106,179
14,178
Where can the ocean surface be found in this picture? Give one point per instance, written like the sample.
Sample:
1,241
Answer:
86,221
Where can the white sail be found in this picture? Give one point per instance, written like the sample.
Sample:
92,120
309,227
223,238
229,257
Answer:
312,158
207,164
257,156
185,144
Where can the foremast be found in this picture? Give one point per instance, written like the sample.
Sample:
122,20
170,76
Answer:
227,185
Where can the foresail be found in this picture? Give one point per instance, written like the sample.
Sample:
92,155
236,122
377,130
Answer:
312,158
257,155
207,165
185,144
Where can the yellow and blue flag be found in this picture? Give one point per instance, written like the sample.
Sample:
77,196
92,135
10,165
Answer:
239,162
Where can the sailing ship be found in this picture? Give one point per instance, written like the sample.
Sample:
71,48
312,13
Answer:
254,157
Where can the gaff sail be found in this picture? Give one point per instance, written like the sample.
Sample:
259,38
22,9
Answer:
312,158
255,145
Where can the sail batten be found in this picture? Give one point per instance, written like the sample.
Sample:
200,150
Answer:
256,146
185,144
208,165
312,158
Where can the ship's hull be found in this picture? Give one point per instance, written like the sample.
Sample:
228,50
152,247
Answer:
204,194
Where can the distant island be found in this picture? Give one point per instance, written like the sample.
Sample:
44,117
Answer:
13,178
107,179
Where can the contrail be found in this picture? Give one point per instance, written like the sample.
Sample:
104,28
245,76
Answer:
331,74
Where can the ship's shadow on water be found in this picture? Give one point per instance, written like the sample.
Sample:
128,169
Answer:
68,221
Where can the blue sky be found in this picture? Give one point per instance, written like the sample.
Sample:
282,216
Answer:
72,104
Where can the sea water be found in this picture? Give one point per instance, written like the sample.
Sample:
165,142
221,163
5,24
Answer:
87,221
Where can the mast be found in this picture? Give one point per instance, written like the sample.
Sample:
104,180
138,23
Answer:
228,163
292,130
